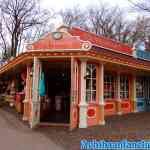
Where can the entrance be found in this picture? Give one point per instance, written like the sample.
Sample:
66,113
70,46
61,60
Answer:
55,106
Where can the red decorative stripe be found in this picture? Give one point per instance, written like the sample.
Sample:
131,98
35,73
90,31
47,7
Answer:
109,106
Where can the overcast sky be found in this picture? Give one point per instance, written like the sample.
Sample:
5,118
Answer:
61,4
57,5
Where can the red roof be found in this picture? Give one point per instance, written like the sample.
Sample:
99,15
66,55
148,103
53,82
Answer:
101,41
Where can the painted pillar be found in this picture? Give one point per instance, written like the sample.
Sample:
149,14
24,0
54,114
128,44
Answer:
133,94
118,94
28,94
74,94
35,104
101,95
83,103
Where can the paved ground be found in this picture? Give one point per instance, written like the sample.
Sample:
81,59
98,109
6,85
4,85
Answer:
132,127
16,135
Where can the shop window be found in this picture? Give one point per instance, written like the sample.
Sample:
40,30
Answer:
148,88
124,87
109,86
91,82
140,87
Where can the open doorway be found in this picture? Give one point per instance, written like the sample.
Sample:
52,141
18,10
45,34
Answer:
55,107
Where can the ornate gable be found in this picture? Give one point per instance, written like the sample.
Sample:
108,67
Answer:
60,40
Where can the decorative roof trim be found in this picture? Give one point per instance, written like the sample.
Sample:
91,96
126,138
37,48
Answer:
105,57
98,46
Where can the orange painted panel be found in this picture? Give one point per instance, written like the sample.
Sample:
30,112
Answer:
110,107
95,114
125,106
91,112
92,115
74,116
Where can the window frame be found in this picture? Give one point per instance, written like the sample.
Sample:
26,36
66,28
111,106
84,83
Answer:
148,88
142,81
125,91
110,83
92,90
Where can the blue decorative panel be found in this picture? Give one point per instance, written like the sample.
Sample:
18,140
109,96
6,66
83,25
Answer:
141,104
142,55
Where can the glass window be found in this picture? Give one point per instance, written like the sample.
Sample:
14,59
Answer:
124,87
140,87
148,88
91,82
109,86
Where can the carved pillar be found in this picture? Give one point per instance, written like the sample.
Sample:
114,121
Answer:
28,94
133,94
101,94
74,94
118,94
83,103
35,102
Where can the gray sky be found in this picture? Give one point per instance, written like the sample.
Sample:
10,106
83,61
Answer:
61,4
57,5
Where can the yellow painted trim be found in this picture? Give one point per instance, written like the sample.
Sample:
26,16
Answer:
68,54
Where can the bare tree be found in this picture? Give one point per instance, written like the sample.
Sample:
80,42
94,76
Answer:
18,16
141,5
102,20
109,22
38,31
142,27
74,17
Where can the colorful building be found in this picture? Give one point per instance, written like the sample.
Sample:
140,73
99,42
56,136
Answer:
76,78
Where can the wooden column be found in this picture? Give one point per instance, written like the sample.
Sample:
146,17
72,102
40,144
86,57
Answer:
101,94
133,94
83,103
118,94
35,103
28,94
74,114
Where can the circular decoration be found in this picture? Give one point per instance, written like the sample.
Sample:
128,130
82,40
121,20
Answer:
86,45
29,47
91,112
57,35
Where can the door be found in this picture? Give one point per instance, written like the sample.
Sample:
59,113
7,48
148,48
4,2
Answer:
74,94
35,104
